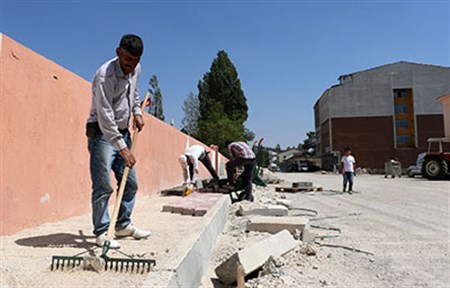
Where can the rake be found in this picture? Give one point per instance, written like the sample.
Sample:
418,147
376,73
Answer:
105,262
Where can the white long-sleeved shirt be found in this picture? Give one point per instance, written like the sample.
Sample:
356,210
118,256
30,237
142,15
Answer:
114,97
195,153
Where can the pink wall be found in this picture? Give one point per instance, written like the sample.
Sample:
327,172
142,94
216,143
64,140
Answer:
44,158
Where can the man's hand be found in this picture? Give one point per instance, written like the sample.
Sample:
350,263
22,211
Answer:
126,154
196,171
138,122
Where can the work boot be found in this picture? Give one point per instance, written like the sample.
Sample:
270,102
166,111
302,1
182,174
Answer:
100,241
229,187
130,230
242,196
249,198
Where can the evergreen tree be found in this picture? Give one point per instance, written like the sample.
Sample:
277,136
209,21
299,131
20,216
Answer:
278,148
223,106
309,145
191,109
249,135
219,128
156,107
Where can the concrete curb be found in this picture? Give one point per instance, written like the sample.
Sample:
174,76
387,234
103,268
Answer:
188,270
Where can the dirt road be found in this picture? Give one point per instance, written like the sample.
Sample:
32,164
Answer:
394,233
403,222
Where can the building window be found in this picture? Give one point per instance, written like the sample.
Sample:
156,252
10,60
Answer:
401,109
400,93
402,123
403,139
404,118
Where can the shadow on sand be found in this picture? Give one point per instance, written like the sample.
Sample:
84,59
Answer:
58,240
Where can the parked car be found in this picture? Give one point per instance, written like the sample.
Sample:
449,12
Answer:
437,161
274,168
303,167
416,168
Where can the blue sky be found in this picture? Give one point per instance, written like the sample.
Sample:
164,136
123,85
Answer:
286,52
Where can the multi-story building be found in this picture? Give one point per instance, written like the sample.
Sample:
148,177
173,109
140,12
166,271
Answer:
384,112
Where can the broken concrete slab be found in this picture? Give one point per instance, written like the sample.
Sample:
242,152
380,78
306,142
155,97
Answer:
264,210
308,236
255,255
285,202
276,224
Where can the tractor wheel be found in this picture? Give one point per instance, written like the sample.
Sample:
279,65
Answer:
434,169
445,168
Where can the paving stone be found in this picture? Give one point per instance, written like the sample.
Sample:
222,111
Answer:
200,212
302,184
195,204
167,208
276,224
255,255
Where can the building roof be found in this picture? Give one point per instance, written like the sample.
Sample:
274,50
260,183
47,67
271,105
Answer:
441,98
382,66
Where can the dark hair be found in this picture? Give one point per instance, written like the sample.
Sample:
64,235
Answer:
347,149
133,44
228,142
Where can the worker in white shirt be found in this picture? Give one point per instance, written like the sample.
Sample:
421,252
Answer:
348,163
189,163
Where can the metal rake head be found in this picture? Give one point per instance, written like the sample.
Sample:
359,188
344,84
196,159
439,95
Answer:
61,262
103,263
128,264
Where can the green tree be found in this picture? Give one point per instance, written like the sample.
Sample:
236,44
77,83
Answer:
262,155
156,107
223,106
249,135
191,109
309,144
278,148
218,128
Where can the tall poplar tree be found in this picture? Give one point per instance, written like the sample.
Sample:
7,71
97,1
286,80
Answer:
223,106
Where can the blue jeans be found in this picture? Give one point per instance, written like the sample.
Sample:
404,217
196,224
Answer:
348,177
104,158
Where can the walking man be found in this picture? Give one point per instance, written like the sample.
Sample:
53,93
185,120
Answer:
189,163
114,99
240,154
348,164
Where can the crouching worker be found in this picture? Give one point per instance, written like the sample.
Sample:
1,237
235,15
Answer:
240,154
115,99
189,163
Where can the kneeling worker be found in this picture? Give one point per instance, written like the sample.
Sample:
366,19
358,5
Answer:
240,154
189,163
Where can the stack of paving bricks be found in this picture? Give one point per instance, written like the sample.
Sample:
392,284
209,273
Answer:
195,204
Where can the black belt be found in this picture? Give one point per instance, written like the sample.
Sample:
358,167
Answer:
93,130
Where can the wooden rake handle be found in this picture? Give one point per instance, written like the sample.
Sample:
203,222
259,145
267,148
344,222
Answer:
112,225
